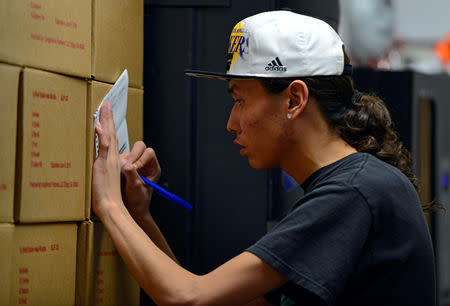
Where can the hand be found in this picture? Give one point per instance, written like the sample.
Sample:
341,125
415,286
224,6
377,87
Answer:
135,193
106,169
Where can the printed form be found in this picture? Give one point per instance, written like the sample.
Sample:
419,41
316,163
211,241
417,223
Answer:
118,97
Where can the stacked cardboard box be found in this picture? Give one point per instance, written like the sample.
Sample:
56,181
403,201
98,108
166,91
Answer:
58,59
37,264
102,276
38,260
84,38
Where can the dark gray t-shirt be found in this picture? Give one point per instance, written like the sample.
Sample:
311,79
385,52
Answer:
357,237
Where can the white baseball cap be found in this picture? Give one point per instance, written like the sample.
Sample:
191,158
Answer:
281,44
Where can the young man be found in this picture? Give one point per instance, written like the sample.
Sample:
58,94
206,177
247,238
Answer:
357,237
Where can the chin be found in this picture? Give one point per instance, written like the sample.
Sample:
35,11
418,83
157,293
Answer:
258,165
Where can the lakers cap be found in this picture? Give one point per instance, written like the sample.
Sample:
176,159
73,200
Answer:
281,44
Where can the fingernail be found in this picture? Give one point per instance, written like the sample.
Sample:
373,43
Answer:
135,166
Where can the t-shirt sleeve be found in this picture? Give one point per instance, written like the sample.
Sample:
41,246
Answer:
318,244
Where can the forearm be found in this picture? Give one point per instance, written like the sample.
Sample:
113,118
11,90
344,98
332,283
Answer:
149,226
238,281
163,280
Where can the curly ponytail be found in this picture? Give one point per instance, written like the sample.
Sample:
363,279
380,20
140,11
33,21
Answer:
362,120
367,126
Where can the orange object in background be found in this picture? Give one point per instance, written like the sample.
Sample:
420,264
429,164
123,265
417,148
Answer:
442,49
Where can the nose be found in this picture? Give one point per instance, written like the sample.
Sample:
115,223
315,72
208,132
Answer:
233,125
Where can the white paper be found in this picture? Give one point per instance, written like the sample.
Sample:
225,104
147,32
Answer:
118,97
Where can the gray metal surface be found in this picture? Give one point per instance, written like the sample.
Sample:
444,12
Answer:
437,89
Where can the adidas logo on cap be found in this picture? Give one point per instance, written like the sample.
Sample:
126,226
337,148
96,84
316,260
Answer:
276,65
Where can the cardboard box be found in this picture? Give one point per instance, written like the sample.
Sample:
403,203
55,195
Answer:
9,87
84,38
47,34
6,267
96,92
51,159
37,264
118,40
102,277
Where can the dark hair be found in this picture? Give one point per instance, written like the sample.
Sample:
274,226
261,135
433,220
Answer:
362,120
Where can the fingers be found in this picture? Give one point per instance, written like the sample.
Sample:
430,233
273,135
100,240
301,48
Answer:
131,175
148,165
124,158
103,141
136,152
109,131
128,161
141,160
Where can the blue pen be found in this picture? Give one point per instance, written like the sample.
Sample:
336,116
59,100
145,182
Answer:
164,193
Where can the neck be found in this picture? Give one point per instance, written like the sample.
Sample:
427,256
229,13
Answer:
302,163
314,146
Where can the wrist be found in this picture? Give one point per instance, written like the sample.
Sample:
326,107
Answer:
107,209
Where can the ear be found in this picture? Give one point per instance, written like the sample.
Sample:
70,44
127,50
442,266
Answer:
298,98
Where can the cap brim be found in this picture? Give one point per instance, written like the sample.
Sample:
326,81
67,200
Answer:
216,75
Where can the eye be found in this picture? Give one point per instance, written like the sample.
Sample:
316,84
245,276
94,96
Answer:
238,101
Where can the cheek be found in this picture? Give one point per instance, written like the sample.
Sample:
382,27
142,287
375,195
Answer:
265,144
255,125
262,122
287,135
265,129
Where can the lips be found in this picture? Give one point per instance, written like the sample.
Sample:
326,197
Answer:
242,150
